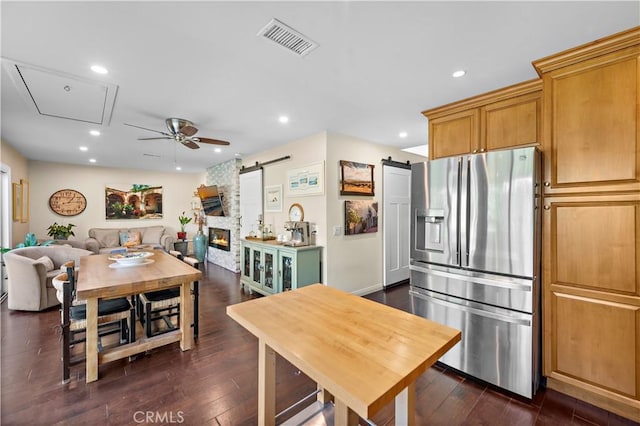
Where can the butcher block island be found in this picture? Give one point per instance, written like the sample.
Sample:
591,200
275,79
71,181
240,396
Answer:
360,353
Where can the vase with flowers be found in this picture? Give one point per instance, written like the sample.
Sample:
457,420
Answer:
182,235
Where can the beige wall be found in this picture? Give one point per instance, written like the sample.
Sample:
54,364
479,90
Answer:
355,261
351,263
46,178
306,151
19,170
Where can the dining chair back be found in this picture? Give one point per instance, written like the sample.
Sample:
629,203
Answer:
114,316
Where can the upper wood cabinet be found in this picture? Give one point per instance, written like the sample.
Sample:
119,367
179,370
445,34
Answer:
504,118
591,116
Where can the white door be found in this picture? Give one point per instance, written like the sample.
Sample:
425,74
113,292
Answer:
250,201
396,221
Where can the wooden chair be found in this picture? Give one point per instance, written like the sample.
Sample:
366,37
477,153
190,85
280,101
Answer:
114,316
162,305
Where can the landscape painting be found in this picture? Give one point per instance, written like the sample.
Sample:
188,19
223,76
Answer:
360,217
357,178
133,201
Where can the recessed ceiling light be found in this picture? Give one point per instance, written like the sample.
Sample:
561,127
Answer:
217,150
458,73
237,154
178,168
403,134
99,69
283,119
94,132
84,148
92,160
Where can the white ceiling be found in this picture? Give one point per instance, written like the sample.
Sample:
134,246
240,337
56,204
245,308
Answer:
379,64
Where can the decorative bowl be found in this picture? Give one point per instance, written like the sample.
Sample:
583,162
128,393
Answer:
131,258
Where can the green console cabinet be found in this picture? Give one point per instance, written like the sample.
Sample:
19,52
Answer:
268,267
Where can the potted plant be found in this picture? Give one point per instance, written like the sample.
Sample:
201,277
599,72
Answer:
60,232
183,221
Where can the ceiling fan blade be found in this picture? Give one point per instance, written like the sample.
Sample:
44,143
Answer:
188,130
190,144
151,139
144,128
211,141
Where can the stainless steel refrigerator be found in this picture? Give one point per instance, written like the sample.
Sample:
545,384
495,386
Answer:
475,261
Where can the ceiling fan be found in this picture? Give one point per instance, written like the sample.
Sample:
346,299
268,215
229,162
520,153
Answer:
182,131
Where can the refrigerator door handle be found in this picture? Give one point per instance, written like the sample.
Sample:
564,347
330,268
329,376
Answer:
513,284
474,311
464,211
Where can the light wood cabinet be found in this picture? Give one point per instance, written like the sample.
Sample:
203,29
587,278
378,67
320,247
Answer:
591,222
591,299
504,118
591,119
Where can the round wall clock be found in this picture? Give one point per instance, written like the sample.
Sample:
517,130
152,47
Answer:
67,202
296,213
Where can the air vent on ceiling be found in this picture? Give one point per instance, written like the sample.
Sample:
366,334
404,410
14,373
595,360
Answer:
288,38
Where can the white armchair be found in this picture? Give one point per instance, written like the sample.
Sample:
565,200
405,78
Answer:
30,271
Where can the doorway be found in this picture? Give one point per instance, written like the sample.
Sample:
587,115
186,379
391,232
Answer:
5,225
396,221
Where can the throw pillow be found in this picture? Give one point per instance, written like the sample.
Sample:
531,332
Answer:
105,237
151,234
130,239
47,262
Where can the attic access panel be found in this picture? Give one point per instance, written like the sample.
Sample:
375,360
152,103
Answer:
66,96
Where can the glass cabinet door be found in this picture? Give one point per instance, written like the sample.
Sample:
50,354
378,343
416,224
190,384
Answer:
286,271
246,261
257,267
269,265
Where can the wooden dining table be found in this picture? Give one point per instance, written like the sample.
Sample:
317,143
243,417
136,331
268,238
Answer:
98,280
362,354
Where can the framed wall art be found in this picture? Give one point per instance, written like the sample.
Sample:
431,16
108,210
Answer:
307,180
24,213
356,178
360,217
273,198
133,201
17,201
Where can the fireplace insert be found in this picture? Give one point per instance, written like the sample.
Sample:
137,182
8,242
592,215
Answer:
220,238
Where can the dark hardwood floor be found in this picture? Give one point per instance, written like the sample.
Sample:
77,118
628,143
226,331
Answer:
216,382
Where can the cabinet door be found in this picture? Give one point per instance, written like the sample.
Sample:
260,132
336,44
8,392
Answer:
454,134
269,259
591,298
246,261
287,270
591,128
512,122
256,266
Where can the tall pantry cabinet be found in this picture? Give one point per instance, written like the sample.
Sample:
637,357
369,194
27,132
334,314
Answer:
591,222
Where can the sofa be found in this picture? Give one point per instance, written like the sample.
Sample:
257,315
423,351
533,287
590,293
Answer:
105,240
30,271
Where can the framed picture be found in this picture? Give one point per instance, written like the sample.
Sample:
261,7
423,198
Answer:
17,201
360,217
273,198
132,201
24,212
307,180
356,178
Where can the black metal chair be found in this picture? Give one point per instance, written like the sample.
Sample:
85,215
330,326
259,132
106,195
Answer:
114,316
163,305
